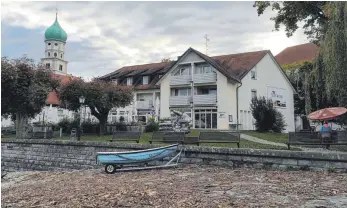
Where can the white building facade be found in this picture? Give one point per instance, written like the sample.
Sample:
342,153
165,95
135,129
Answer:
215,92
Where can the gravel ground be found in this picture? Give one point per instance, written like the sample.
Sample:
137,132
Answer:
190,186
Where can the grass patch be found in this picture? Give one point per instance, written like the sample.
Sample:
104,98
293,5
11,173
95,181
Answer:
272,137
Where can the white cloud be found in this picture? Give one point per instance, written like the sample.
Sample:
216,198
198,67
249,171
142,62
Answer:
115,34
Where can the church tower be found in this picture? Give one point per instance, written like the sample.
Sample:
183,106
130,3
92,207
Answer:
55,40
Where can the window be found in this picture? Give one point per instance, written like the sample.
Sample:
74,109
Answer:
55,54
115,81
230,118
121,112
49,54
254,94
60,67
181,92
206,91
129,81
253,74
48,65
203,69
56,44
61,55
182,71
145,80
60,112
49,44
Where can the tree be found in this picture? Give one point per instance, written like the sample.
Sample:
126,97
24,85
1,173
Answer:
266,116
315,15
100,97
165,60
24,90
334,48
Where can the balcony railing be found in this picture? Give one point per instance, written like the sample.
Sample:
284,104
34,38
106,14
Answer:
205,78
209,99
146,104
180,100
181,80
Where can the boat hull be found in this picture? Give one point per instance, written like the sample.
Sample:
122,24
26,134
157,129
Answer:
132,157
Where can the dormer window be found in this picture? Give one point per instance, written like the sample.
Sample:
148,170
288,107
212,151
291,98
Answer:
129,81
49,44
115,81
145,80
253,74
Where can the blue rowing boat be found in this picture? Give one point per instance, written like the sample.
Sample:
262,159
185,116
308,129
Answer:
116,160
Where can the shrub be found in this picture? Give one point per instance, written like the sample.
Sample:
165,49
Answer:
279,124
151,125
91,127
68,124
266,116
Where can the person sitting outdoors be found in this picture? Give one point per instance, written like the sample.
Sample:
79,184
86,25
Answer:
325,132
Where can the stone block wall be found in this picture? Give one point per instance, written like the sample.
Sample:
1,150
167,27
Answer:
60,155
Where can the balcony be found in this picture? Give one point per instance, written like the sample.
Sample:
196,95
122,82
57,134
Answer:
205,78
209,99
146,104
181,80
180,100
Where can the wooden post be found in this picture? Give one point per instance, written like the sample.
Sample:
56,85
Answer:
61,132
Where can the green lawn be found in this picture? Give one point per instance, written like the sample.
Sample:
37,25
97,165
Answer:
272,137
145,137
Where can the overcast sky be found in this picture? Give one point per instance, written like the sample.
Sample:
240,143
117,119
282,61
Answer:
104,36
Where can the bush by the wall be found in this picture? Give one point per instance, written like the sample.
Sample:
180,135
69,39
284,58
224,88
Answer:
151,125
68,125
267,118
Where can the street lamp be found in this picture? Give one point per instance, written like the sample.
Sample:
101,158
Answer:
81,99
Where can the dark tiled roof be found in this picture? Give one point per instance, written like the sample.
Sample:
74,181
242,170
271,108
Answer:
239,64
233,66
298,53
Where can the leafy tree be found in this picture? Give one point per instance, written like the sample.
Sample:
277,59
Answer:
165,60
315,15
24,90
100,97
266,116
334,50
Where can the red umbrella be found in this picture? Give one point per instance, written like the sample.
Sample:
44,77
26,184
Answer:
327,113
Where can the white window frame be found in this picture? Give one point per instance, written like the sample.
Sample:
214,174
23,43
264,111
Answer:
115,81
255,92
60,112
253,71
180,70
145,80
129,81
180,92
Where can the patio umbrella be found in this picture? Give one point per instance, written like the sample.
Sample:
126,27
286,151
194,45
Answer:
327,113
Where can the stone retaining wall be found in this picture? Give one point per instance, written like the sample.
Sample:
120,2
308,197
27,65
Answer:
59,155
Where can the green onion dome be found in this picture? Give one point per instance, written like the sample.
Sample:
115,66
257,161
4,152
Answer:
56,32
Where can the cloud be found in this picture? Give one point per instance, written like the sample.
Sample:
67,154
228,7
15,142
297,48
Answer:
103,36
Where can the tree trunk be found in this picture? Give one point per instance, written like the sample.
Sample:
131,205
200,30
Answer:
103,123
21,126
